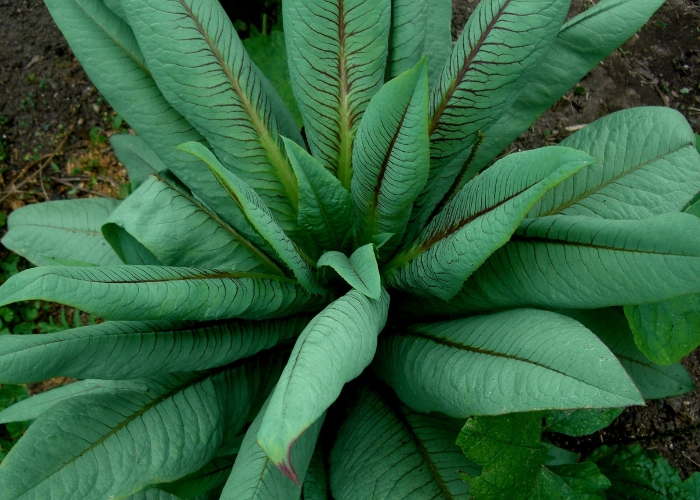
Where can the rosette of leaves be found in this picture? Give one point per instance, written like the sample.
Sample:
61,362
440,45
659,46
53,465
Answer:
257,269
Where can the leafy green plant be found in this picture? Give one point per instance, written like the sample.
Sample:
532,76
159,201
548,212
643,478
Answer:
242,356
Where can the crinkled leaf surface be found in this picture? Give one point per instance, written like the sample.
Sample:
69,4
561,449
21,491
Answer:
181,231
385,450
337,53
65,232
134,349
654,381
580,422
336,346
501,40
256,477
260,217
479,220
391,157
582,43
211,79
153,292
360,271
503,362
324,204
140,160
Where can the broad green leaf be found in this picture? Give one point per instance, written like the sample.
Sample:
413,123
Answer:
128,248
156,494
391,157
480,220
571,482
209,477
360,271
639,474
384,450
135,349
181,231
508,450
152,292
580,422
502,40
553,455
519,360
566,261
31,408
261,218
65,232
666,331
648,166
168,432
337,53
409,23
269,53
140,160
256,477
582,43
116,7
211,80
654,381
324,204
438,37
336,346
315,485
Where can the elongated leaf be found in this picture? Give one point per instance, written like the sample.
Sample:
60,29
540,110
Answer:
87,463
156,494
582,43
180,231
129,249
409,23
336,346
260,218
211,80
140,160
480,220
63,232
585,262
360,271
385,450
391,157
503,362
438,37
580,422
256,477
324,204
31,408
213,475
337,53
502,40
135,349
152,292
316,481
654,381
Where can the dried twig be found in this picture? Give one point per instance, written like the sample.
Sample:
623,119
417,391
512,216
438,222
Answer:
78,188
686,456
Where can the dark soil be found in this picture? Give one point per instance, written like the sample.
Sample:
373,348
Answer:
48,106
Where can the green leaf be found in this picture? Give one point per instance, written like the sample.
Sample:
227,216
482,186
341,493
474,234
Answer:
209,477
386,450
156,494
152,292
571,482
508,450
135,349
181,231
269,53
360,271
566,261
639,474
337,54
519,360
190,413
256,477
140,160
211,80
480,220
324,204
438,37
391,157
48,233
654,381
259,217
316,481
554,456
31,408
502,40
129,249
582,43
336,346
580,422
648,166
